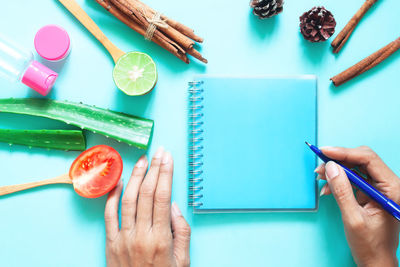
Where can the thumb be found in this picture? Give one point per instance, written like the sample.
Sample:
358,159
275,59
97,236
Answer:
181,232
341,188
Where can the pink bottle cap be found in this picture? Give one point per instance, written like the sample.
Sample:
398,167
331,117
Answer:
52,43
39,77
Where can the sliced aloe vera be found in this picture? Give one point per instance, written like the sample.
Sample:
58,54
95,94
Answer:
126,128
50,139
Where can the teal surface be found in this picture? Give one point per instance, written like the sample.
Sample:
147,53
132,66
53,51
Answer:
252,128
52,226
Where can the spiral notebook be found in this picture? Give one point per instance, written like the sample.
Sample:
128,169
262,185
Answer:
246,144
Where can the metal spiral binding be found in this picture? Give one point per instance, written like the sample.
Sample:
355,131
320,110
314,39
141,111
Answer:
196,140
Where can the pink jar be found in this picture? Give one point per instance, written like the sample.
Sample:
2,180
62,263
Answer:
52,43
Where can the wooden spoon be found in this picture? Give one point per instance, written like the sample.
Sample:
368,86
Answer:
114,51
89,24
9,189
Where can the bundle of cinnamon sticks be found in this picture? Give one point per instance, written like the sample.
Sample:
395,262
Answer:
167,33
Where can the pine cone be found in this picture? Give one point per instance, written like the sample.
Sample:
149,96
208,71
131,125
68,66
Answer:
317,25
266,8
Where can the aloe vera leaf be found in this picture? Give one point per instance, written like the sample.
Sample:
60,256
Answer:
126,128
51,139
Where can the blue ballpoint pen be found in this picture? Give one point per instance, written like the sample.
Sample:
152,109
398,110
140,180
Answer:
386,203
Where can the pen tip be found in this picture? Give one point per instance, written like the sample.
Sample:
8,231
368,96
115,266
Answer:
307,143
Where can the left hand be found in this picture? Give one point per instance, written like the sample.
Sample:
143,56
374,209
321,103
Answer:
152,233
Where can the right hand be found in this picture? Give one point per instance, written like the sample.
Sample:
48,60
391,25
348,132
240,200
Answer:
372,233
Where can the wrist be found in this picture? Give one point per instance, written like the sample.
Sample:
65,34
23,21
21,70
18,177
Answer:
381,260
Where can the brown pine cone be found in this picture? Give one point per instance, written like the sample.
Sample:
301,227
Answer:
266,8
317,25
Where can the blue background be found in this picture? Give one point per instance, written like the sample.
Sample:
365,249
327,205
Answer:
54,227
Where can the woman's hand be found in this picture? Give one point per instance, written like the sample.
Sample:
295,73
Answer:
372,233
152,232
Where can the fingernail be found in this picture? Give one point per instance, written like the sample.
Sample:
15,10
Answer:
322,191
318,168
331,170
318,177
326,148
166,158
141,162
159,153
175,210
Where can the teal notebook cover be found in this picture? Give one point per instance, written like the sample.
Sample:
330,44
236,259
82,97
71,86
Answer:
246,148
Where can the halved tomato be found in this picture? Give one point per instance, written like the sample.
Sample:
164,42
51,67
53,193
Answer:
96,171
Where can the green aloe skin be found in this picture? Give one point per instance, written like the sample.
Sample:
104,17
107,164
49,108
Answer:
123,127
50,139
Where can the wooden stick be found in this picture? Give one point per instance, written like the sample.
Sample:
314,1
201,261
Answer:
344,35
171,46
367,63
175,24
9,189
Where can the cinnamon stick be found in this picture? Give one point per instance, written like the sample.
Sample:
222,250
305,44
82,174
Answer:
367,63
183,29
392,47
169,46
119,4
134,12
138,16
122,6
344,35
175,24
193,52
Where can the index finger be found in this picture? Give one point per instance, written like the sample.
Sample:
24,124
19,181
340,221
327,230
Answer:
365,157
111,212
129,199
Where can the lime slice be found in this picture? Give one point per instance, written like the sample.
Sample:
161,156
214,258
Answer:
135,73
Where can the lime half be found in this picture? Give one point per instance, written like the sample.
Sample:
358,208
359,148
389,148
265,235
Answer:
135,73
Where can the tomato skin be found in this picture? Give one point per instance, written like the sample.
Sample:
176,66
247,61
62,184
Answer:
96,171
